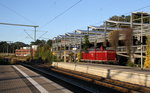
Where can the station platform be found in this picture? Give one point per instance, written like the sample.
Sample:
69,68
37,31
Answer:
18,79
121,73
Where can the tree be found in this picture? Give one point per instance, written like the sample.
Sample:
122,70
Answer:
49,42
147,52
127,18
128,42
3,46
113,38
38,42
86,43
120,18
11,47
44,53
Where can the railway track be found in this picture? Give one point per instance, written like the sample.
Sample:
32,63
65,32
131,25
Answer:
72,83
123,87
89,83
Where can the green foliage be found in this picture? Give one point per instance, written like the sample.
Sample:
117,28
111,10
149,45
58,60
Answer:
120,18
127,18
4,61
38,42
10,47
44,53
49,42
131,64
86,42
78,56
147,52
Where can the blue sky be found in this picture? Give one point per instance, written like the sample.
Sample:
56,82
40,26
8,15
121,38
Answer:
40,12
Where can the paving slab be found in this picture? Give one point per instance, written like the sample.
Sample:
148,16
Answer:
19,79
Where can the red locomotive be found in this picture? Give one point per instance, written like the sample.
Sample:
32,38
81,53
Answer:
99,56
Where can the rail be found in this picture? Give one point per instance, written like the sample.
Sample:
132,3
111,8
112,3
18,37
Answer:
114,84
71,82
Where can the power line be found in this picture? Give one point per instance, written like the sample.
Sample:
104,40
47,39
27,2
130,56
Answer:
127,13
43,34
17,13
61,14
138,9
29,35
143,7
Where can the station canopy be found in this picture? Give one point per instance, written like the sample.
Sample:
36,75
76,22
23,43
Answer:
90,32
100,28
125,23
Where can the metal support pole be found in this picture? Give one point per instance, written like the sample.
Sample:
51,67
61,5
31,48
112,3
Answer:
131,21
35,33
75,47
95,44
75,40
131,44
142,41
105,30
23,25
55,47
80,43
88,30
65,48
7,49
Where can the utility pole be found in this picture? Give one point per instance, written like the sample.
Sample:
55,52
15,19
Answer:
34,33
25,26
35,26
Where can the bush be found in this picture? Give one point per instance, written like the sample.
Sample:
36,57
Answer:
131,64
44,54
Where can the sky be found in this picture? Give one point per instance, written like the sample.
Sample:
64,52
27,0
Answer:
57,17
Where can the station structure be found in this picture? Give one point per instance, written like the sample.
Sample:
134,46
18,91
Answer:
99,36
26,51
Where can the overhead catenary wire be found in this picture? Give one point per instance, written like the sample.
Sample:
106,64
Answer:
29,35
61,13
12,10
135,10
138,9
43,34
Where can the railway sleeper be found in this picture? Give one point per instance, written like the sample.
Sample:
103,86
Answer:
118,84
102,83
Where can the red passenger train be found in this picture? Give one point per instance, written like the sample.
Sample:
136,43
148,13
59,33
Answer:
99,56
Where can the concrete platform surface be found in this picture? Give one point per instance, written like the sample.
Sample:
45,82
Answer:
18,79
122,73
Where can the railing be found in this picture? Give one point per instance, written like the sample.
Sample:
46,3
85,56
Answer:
133,49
